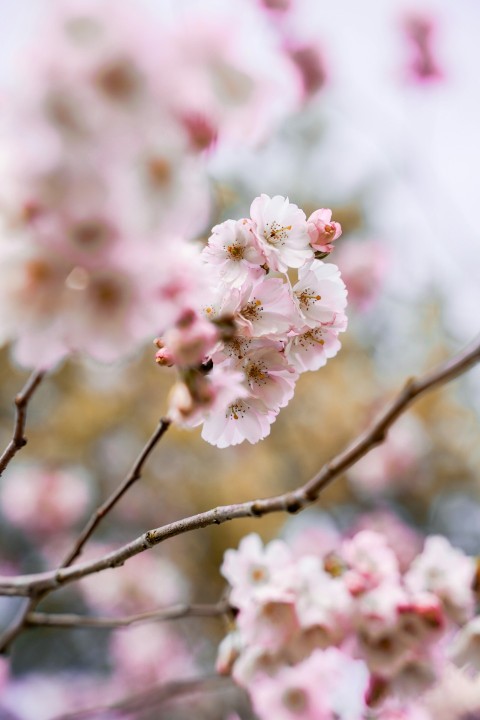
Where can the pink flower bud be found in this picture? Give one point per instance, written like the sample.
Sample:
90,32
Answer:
323,230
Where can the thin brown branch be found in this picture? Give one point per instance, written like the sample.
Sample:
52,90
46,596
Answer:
175,612
103,510
20,621
149,699
290,502
17,624
19,440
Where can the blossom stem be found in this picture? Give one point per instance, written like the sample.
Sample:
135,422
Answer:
37,594
174,612
19,440
103,510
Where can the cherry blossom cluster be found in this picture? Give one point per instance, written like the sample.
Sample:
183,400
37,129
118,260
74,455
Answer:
241,355
348,629
104,166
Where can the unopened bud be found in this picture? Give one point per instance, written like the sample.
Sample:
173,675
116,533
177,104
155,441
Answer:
164,358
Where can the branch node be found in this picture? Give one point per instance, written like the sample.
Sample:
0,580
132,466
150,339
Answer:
293,504
149,539
311,496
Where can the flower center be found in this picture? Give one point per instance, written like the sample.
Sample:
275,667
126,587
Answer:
312,337
295,700
307,297
276,234
257,373
159,171
252,310
237,410
258,574
236,347
89,233
119,79
108,293
236,252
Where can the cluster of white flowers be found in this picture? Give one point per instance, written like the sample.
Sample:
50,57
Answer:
347,604
241,354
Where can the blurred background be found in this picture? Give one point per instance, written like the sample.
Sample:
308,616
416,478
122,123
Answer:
161,119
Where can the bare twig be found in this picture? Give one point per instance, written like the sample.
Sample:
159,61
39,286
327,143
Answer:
290,502
156,696
134,475
17,624
174,612
19,440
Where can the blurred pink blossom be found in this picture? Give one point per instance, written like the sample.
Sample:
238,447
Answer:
423,62
45,501
391,466
149,583
363,264
327,685
148,655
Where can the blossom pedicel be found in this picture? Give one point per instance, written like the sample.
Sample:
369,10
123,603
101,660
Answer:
267,330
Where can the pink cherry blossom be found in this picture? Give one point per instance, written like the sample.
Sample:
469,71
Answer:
322,230
233,250
312,347
323,601
265,309
327,685
424,66
320,293
370,561
405,542
313,539
269,376
448,573
254,566
281,229
422,617
269,620
243,419
189,341
377,611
